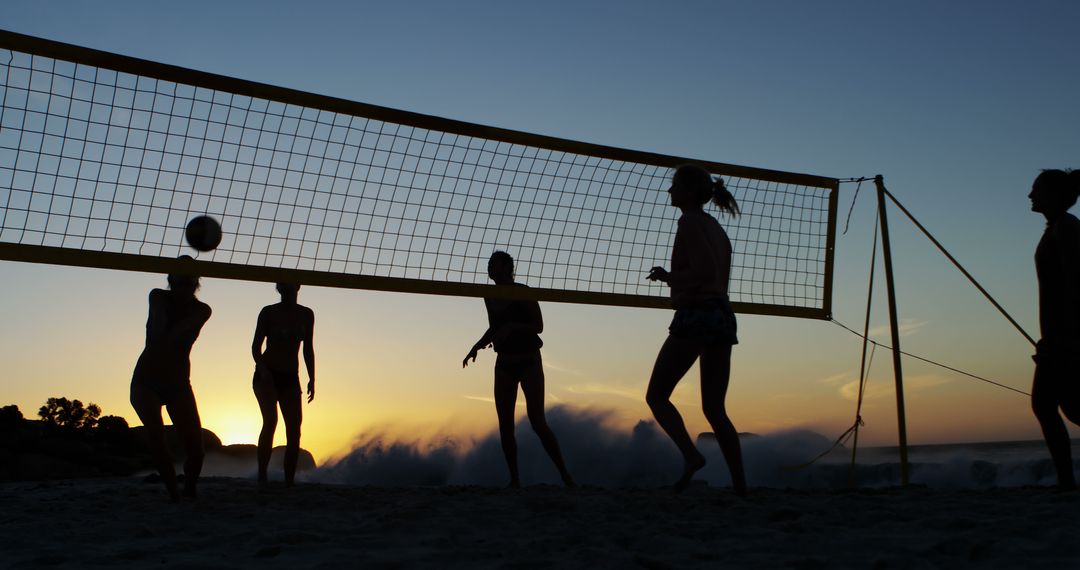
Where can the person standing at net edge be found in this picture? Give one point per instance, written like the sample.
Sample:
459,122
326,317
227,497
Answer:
514,328
1057,354
704,324
284,327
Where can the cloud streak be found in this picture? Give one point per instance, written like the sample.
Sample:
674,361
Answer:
906,328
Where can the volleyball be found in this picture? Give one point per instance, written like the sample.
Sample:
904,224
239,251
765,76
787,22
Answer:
203,233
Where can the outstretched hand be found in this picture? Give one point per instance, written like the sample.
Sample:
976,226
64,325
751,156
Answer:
310,390
468,357
658,274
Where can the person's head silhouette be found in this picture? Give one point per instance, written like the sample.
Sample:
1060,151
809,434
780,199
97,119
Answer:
288,291
501,268
1054,191
185,281
692,187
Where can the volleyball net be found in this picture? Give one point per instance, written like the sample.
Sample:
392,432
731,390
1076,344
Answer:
104,158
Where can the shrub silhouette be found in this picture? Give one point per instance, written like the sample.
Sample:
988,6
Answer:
10,418
110,424
69,414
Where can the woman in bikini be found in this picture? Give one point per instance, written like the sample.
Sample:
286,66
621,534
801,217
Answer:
284,327
163,378
514,328
704,325
1056,385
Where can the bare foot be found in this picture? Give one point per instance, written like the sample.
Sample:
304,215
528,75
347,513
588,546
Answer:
689,468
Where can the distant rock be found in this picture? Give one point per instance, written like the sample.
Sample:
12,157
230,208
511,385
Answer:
211,442
241,460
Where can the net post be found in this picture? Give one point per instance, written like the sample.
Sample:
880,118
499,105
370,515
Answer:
894,328
830,249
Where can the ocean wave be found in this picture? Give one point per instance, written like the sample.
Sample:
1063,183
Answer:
599,453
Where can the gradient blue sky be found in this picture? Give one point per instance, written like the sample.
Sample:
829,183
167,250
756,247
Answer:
958,104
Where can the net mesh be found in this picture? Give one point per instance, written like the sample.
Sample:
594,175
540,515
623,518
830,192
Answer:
96,159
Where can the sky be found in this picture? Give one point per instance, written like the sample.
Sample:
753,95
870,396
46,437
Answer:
958,105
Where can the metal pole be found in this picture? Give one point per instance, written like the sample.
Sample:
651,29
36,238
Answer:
894,327
942,249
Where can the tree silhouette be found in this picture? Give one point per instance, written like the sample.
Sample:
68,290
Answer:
70,414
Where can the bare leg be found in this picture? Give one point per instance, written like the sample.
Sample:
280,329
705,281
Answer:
505,400
676,357
715,375
148,407
185,417
532,386
1044,402
1070,398
1071,410
266,394
292,412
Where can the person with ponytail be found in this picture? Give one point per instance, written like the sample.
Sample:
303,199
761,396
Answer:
162,377
284,327
1057,355
704,325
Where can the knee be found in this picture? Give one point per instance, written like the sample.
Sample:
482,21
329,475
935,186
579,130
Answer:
717,417
655,400
537,420
292,434
195,452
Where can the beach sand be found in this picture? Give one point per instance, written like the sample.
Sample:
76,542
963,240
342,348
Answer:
125,522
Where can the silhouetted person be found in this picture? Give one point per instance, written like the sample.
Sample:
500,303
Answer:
284,326
514,328
704,325
1057,354
162,378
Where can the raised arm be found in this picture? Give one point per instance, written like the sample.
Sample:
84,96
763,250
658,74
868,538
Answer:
157,318
190,326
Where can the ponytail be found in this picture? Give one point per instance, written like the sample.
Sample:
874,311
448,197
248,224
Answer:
1073,183
723,198
701,183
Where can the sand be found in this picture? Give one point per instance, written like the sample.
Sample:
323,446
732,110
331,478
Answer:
235,524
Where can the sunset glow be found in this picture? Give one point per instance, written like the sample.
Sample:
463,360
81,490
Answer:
958,105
